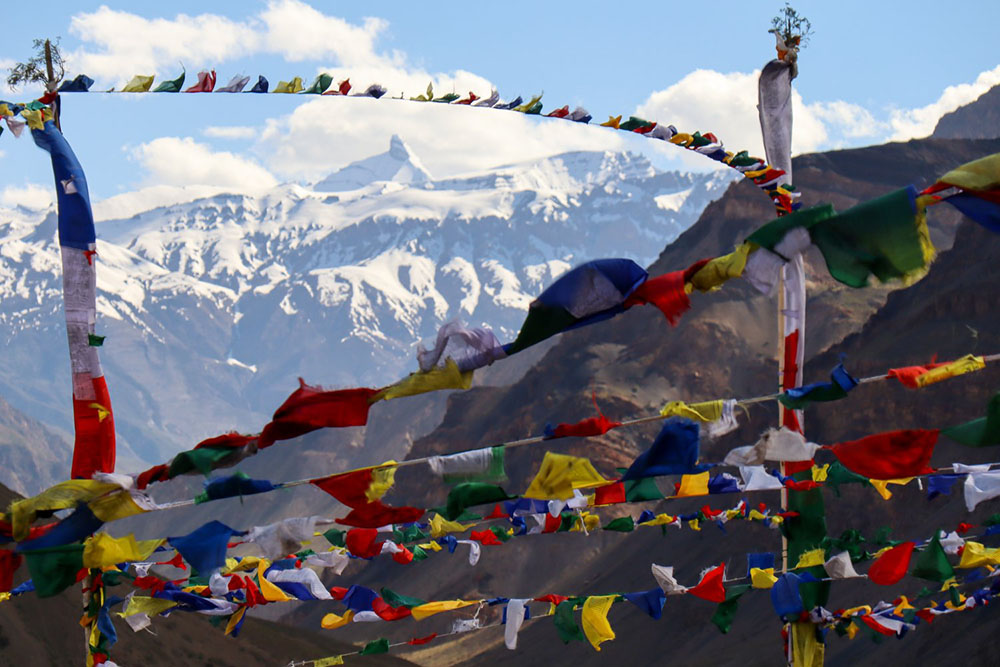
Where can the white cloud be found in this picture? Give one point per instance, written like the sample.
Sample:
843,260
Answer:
915,123
726,104
118,44
29,195
182,161
230,132
328,133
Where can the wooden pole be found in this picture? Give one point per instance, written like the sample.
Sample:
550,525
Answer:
51,84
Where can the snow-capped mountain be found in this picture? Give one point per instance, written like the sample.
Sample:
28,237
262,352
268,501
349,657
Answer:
212,307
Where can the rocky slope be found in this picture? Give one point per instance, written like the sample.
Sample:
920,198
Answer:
980,119
723,347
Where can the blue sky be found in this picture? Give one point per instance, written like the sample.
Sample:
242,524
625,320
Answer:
874,71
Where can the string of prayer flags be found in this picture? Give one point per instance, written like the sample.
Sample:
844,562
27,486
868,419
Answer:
981,432
889,455
840,383
673,452
93,421
978,190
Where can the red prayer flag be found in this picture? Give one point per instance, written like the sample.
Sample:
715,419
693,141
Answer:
552,523
311,408
710,587
892,565
552,598
378,514
403,557
584,429
387,613
497,513
9,562
908,375
877,627
361,542
417,641
561,112
610,494
485,537
889,455
94,425
347,487
666,292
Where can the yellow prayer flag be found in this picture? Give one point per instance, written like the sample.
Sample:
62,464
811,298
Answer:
329,662
5,111
967,364
235,619
59,497
694,524
807,650
612,121
245,564
436,379
114,506
523,108
762,577
138,84
981,174
882,485
382,480
707,411
903,605
430,546
270,592
333,621
721,269
659,520
140,604
560,474
4,596
682,139
293,86
852,629
595,619
422,611
101,550
441,526
819,473
811,558
976,554
693,485
34,119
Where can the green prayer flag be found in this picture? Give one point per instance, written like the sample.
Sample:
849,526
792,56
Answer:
956,598
172,86
623,524
54,569
806,532
321,83
850,541
838,474
634,123
335,537
886,237
932,563
981,432
500,532
203,459
726,611
394,599
882,538
375,647
471,494
93,340
992,520
567,521
639,490
773,232
418,554
565,621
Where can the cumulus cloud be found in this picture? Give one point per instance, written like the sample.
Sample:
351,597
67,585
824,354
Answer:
915,123
326,134
726,104
29,195
183,161
230,132
118,44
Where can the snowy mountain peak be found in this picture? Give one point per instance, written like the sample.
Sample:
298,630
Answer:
398,165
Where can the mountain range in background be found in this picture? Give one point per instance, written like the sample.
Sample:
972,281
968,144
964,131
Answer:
213,307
